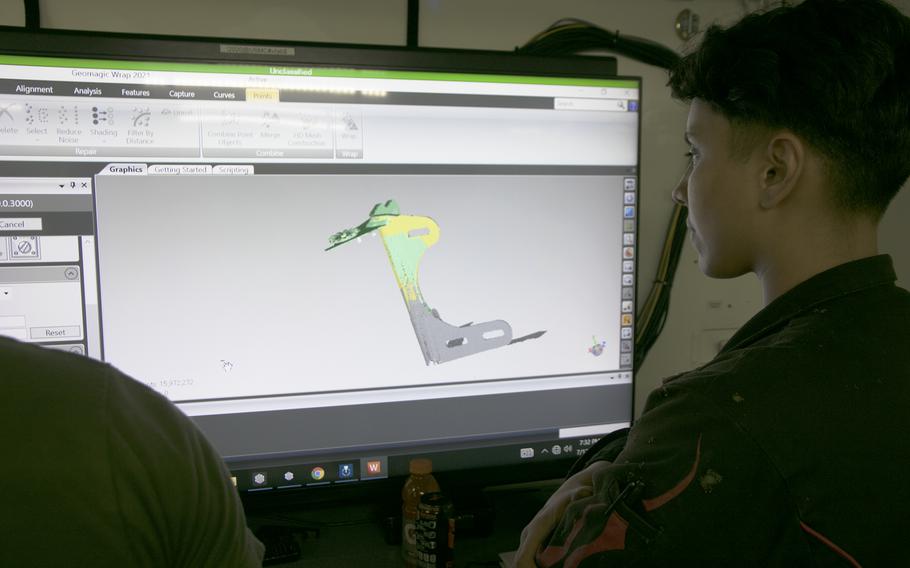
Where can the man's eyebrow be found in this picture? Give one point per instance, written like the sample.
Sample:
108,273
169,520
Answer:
688,138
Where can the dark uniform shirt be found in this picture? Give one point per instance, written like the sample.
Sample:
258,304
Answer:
99,470
790,448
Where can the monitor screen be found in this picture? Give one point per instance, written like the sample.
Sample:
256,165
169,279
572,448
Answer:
334,259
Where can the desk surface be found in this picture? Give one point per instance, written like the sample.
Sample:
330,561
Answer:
353,535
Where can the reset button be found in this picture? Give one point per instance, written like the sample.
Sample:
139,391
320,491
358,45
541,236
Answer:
56,332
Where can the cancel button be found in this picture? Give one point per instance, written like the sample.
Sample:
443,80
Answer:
20,223
56,332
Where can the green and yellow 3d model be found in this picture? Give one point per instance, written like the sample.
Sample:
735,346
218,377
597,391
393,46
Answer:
406,238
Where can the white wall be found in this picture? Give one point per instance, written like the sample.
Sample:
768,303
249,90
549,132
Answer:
354,21
703,311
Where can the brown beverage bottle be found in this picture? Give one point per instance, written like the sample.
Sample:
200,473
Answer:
421,481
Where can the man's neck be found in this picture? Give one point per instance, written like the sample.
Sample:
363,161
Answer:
814,252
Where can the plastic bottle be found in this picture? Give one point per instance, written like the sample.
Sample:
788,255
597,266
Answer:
421,481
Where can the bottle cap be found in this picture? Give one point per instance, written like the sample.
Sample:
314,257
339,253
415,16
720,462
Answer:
420,466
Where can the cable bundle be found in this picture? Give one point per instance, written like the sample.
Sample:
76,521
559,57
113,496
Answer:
572,36
653,314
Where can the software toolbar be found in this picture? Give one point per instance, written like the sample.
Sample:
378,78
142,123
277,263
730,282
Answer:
305,121
125,129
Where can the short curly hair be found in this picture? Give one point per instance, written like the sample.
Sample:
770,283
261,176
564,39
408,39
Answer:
834,72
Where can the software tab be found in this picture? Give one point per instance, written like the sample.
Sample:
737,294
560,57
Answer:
179,169
234,170
125,170
262,95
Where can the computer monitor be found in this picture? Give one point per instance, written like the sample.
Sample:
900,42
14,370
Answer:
333,258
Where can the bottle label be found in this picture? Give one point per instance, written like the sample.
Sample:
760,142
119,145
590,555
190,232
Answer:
410,533
409,542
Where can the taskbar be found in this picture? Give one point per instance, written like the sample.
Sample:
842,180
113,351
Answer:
313,473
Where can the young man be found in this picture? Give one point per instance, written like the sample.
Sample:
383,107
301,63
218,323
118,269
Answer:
789,448
99,470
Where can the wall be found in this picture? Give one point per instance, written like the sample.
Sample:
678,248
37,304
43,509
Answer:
703,312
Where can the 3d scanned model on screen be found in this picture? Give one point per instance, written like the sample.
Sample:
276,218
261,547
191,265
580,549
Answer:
406,239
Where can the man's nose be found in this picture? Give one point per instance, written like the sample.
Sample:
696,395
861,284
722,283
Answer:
680,193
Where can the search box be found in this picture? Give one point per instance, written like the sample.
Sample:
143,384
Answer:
615,105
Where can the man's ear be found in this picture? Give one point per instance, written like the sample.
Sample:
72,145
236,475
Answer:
783,165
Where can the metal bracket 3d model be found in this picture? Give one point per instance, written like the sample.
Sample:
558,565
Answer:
406,238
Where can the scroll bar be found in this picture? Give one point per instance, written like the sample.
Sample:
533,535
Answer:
595,430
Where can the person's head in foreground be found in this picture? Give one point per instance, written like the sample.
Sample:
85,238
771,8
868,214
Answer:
799,130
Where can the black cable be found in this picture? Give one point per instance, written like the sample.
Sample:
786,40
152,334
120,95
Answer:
32,15
652,328
413,22
571,36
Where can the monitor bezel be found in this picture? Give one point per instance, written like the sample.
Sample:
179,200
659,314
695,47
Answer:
148,47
